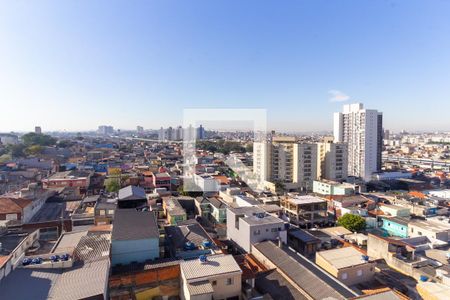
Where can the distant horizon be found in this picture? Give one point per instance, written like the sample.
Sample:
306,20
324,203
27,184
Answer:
223,130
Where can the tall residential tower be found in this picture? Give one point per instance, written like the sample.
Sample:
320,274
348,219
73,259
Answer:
362,130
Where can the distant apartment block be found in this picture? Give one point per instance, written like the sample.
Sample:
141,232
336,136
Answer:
286,161
105,130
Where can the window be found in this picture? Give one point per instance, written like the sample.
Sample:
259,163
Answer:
274,229
344,276
359,273
256,232
102,212
229,281
214,282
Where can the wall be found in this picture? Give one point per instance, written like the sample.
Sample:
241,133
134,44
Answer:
394,228
377,247
349,276
125,252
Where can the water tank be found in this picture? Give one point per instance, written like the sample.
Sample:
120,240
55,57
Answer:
423,278
365,257
206,244
203,258
189,246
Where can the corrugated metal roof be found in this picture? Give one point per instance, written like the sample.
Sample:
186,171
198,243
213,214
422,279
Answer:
200,288
81,282
215,265
130,224
131,192
306,275
93,247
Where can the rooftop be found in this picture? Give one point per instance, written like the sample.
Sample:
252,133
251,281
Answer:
132,192
305,274
190,231
342,257
131,224
214,266
13,205
305,199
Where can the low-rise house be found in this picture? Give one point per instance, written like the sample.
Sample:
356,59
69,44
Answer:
431,229
206,183
242,200
16,209
310,281
188,240
399,254
131,197
395,226
75,179
395,210
215,277
347,264
173,210
104,211
333,188
305,210
303,242
249,225
218,211
135,237
162,180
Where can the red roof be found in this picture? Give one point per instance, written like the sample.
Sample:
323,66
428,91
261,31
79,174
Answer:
13,205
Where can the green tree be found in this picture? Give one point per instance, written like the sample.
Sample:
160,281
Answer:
352,222
112,185
38,139
17,150
33,150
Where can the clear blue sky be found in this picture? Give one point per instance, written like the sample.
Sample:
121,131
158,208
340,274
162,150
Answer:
75,65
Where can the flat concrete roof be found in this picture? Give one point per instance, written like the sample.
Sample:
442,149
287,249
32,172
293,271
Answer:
342,257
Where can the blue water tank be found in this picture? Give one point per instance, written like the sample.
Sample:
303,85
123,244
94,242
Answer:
423,278
189,246
203,258
207,244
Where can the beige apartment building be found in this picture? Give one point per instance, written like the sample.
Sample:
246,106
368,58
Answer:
286,161
332,161
296,164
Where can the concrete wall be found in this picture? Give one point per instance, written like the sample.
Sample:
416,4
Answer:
349,276
245,236
125,252
415,231
376,247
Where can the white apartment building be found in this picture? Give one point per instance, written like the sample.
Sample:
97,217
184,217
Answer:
249,225
332,161
287,161
362,130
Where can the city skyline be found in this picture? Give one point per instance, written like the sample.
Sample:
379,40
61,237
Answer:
74,66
